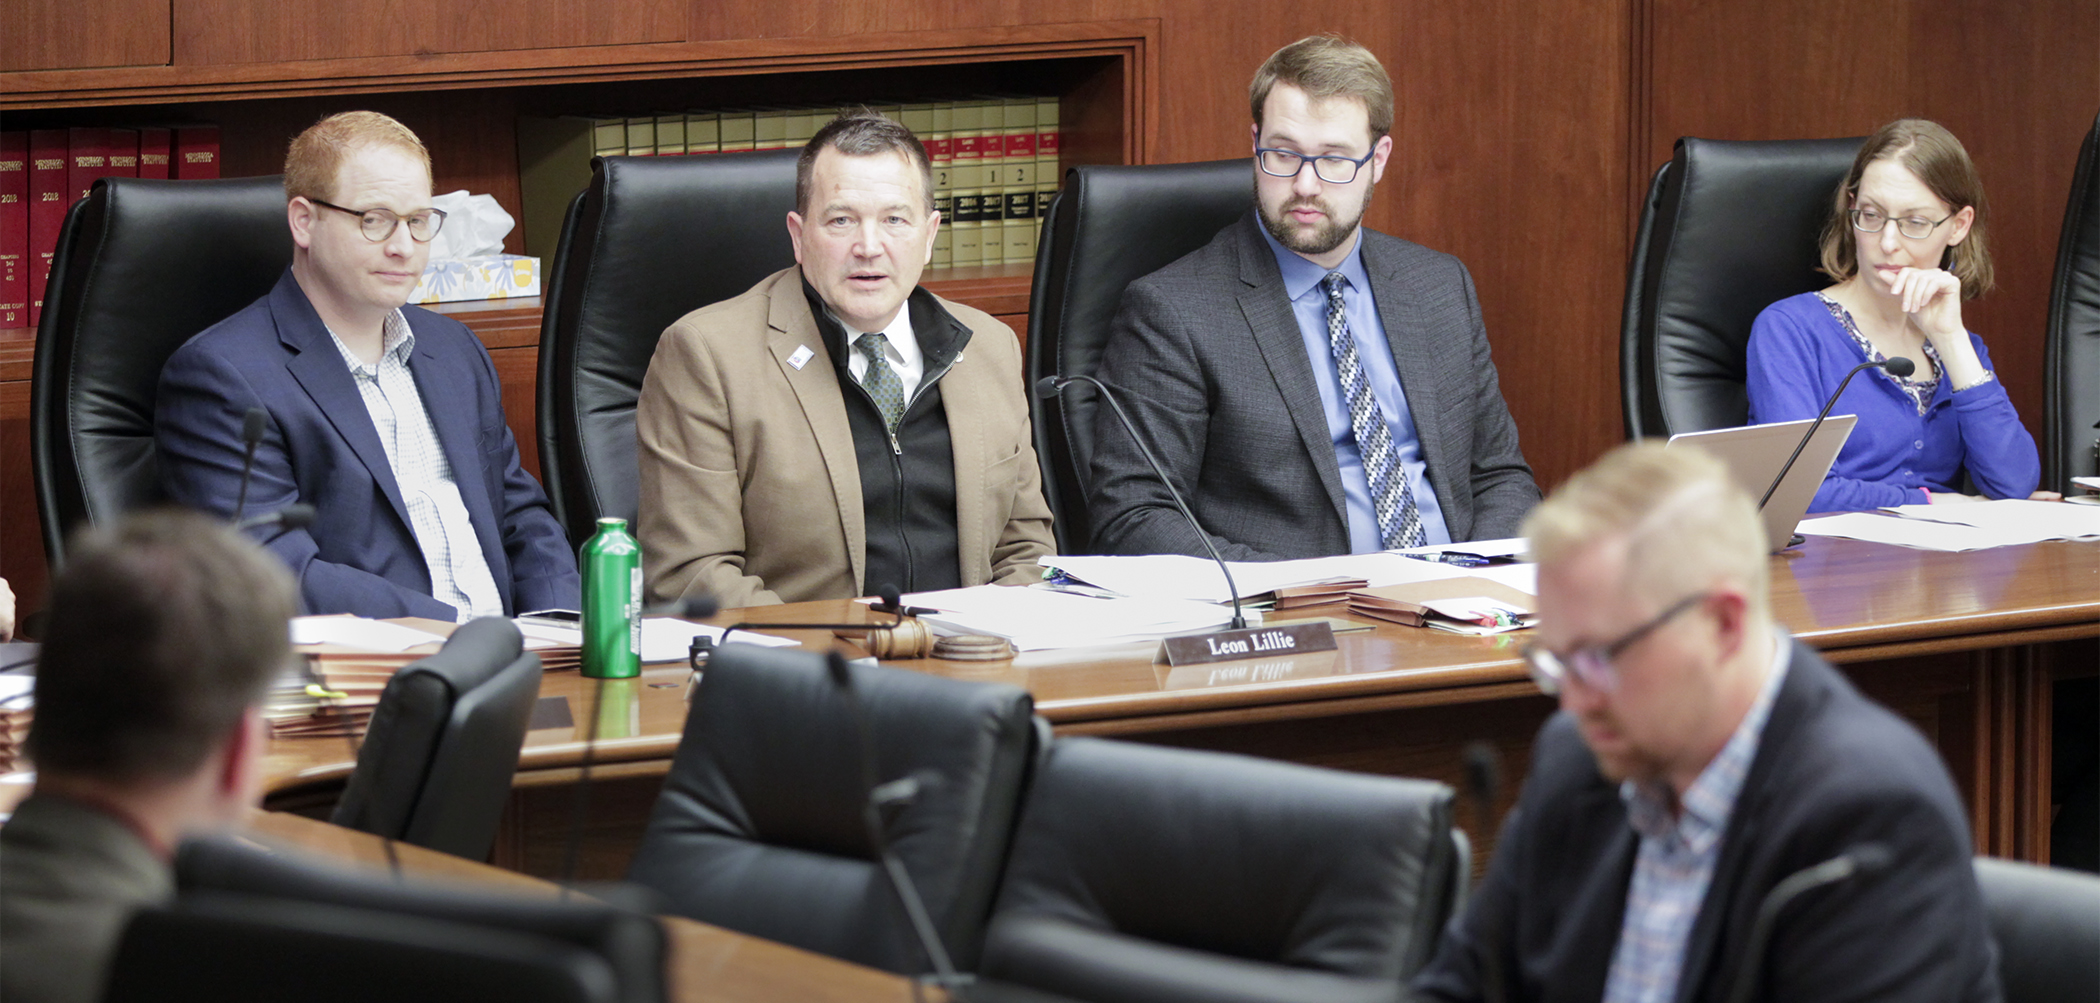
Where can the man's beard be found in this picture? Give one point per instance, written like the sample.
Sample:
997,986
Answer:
1330,234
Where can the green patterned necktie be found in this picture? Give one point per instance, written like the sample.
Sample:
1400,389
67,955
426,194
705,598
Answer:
880,381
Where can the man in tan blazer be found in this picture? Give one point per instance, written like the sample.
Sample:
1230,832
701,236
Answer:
836,429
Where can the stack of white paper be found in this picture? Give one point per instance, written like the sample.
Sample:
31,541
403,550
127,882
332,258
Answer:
1035,619
1963,527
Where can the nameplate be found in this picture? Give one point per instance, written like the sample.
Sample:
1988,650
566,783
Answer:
1254,642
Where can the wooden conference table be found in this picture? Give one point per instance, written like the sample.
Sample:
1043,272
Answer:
1963,645
706,964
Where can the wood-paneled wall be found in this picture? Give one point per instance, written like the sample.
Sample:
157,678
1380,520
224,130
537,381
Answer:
1527,128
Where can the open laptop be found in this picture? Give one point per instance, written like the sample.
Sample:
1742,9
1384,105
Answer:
1755,453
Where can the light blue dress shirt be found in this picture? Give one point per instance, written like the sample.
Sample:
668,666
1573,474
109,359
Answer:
1301,282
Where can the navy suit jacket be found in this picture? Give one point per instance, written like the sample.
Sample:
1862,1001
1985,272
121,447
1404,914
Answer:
360,555
1833,771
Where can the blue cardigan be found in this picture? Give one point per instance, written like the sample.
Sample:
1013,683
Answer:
1799,352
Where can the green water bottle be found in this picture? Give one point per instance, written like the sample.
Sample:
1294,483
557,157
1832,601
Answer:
612,603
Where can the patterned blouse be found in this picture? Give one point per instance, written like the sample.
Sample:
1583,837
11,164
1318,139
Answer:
1919,391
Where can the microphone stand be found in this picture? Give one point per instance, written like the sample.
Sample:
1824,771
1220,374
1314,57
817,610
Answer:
1864,859
1899,365
900,879
1054,386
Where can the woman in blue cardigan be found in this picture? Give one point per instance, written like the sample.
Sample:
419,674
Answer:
1905,243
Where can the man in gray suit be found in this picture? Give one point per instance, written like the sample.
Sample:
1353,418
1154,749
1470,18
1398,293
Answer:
164,633
1311,386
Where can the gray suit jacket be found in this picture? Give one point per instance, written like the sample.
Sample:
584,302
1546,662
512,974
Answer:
70,878
1207,357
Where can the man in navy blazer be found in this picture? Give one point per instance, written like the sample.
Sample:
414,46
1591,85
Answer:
386,418
1701,756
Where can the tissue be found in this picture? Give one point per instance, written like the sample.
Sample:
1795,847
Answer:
466,257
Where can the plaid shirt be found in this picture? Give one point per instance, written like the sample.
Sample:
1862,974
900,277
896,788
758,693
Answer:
1675,863
459,575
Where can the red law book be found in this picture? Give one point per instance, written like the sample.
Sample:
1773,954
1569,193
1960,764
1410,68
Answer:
14,229
197,151
87,158
47,210
153,152
123,153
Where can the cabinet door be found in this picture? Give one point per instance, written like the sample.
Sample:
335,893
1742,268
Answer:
83,34
216,32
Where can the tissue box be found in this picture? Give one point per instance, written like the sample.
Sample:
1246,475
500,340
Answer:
490,277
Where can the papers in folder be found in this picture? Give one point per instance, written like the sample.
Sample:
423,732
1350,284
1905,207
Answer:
1963,527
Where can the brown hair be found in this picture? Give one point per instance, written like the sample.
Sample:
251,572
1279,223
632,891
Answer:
1938,160
315,160
1327,66
861,133
1683,520
164,629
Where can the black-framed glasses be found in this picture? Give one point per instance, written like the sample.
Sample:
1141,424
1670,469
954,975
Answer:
1331,168
379,224
1593,665
1914,227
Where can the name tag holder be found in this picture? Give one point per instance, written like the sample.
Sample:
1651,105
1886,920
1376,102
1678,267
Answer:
1253,642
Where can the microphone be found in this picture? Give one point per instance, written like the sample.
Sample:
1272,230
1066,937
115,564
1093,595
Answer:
685,608
1898,366
253,425
297,515
874,796
1483,771
1054,386
1865,859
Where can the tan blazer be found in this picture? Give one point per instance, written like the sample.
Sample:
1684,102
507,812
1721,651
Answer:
749,488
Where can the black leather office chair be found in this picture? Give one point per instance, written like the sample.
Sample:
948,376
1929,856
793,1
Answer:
1142,873
2071,366
141,266
251,926
652,239
437,760
2047,924
1109,226
1728,229
759,825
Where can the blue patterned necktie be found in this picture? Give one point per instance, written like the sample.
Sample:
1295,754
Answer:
880,381
1399,522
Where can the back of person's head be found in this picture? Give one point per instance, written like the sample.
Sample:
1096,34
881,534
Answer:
164,629
316,157
861,133
1938,160
1324,67
1684,523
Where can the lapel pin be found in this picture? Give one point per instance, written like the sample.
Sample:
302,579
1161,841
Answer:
801,357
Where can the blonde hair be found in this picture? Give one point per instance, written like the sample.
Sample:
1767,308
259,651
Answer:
1328,66
1939,161
1683,520
315,160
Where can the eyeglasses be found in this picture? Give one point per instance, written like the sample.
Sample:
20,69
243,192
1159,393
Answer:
1333,169
1914,227
1593,665
378,224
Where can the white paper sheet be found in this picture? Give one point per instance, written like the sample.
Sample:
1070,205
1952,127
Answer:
1914,533
667,639
1036,619
2021,520
359,632
1174,576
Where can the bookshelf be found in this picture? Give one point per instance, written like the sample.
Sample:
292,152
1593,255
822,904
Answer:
262,83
